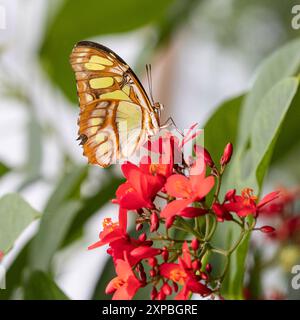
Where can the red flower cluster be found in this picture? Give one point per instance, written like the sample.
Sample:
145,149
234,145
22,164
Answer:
172,203
283,211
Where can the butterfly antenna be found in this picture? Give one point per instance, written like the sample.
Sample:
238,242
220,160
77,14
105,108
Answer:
149,78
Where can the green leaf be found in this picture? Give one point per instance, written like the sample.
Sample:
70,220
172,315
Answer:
237,263
3,169
79,20
251,163
62,207
40,286
267,126
252,160
15,215
33,164
68,187
92,204
14,274
288,140
283,63
106,275
263,113
53,228
222,127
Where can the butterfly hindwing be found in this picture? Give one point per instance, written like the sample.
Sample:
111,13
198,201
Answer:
114,108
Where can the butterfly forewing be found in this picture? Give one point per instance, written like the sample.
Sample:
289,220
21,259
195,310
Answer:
115,110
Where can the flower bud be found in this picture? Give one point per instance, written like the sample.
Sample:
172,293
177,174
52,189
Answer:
267,229
195,244
142,237
221,213
230,195
169,222
141,272
161,295
175,286
165,254
196,265
208,268
152,262
153,293
152,273
206,155
204,276
154,222
139,227
227,154
166,288
110,289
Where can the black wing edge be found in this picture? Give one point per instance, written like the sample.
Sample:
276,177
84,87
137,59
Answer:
86,43
99,46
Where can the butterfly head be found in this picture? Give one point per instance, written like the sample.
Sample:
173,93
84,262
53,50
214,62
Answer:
155,115
158,106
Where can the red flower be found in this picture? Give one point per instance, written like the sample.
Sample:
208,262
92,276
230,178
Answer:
221,213
245,204
112,231
167,149
278,207
135,250
289,229
182,274
140,188
126,284
189,190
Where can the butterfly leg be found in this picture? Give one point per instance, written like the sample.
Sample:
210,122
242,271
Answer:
170,121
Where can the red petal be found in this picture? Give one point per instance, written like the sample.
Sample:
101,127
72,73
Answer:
204,186
144,252
123,189
133,201
123,219
197,287
114,235
123,269
166,268
127,168
183,294
178,186
268,198
192,212
174,207
246,211
186,255
110,288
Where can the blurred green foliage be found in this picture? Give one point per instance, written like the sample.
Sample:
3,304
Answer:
15,215
78,20
40,286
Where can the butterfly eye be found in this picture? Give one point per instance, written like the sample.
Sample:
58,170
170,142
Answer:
158,106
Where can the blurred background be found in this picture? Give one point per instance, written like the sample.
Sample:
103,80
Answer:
202,53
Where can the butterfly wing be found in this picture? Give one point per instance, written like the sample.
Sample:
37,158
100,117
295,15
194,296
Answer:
115,113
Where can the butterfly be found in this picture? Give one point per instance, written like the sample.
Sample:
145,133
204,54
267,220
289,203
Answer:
116,114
